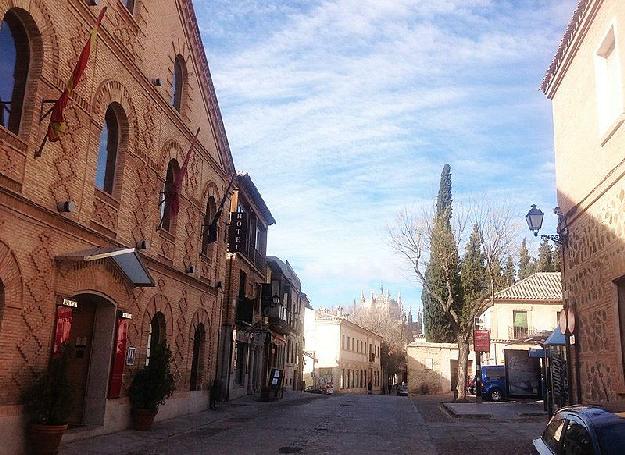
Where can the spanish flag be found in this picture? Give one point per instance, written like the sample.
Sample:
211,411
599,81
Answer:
57,122
172,194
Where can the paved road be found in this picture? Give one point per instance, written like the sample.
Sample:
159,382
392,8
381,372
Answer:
314,424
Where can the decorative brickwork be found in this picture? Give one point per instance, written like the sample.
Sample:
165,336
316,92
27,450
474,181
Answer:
132,52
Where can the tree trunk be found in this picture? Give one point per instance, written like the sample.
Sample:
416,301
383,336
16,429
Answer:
463,360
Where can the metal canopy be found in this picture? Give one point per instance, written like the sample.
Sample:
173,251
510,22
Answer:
127,261
556,338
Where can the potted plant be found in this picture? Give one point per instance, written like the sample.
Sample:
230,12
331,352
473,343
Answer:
150,387
48,403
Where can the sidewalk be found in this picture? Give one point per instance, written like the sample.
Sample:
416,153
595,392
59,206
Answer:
508,410
207,421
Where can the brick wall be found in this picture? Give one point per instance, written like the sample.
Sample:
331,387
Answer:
133,49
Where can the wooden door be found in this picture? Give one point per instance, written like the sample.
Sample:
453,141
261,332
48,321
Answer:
78,366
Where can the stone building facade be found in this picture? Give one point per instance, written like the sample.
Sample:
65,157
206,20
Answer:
585,83
286,286
145,92
243,369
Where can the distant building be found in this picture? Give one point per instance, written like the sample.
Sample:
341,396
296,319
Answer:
347,355
382,303
528,308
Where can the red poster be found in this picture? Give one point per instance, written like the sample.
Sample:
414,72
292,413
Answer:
63,327
119,358
481,340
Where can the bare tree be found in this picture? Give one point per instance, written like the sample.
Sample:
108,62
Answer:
411,237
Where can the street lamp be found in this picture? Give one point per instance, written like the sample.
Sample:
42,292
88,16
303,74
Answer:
534,220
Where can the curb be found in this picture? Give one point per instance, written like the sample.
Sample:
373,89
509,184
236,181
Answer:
454,414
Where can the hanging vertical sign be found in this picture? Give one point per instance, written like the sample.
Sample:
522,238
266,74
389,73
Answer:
237,236
119,357
62,328
481,340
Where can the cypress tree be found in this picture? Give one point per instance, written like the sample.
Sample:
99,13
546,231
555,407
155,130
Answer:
443,266
526,266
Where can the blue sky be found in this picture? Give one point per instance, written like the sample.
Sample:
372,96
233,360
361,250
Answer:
344,112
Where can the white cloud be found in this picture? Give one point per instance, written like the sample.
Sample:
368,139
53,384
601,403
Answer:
344,111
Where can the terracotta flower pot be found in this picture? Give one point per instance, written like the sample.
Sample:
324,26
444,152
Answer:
143,419
45,439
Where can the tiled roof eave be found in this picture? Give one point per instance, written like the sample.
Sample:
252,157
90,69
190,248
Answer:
530,300
575,31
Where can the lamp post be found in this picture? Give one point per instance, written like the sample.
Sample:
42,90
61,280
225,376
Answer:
534,220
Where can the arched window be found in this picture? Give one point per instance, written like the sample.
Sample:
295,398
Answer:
14,65
107,153
168,189
211,210
178,83
197,364
156,335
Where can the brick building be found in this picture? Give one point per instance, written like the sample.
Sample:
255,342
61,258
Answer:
586,85
72,219
242,348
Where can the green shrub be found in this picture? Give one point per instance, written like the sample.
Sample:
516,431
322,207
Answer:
154,383
49,399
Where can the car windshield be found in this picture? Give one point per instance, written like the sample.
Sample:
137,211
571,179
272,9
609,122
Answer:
612,438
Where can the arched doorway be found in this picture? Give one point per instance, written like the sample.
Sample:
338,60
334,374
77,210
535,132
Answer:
91,343
197,364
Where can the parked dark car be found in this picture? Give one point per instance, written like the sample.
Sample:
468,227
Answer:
471,386
583,430
493,383
402,390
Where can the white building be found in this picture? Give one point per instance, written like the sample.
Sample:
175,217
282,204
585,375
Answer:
346,355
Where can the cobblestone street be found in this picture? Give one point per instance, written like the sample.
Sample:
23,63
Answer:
315,424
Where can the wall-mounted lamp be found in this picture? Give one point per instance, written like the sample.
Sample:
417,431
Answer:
92,2
157,82
189,269
534,220
143,244
219,285
66,206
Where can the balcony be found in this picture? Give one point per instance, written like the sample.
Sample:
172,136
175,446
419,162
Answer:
518,333
245,310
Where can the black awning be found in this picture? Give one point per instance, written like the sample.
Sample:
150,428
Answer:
127,261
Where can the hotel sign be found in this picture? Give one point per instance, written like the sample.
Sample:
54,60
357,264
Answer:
237,237
481,340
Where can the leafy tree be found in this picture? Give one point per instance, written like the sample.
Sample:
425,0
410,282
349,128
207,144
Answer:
509,272
545,257
526,262
442,268
557,258
473,272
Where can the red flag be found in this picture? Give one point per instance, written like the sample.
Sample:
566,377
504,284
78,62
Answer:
57,122
174,192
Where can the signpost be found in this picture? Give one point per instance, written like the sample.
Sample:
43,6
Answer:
481,343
